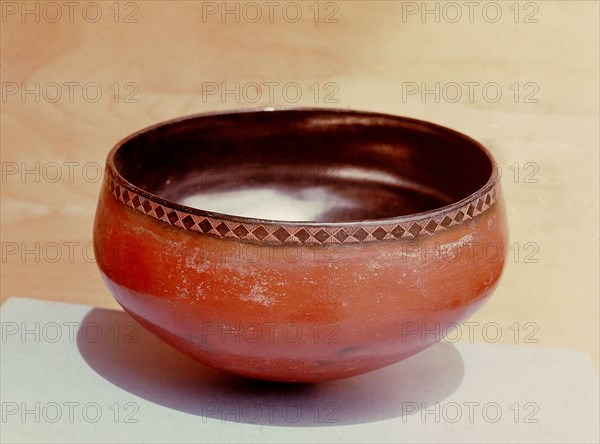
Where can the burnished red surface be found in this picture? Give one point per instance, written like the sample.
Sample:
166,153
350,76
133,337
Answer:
291,311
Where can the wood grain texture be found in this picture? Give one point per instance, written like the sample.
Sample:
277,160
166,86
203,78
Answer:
174,57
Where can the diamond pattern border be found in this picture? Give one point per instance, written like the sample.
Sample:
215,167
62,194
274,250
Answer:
289,234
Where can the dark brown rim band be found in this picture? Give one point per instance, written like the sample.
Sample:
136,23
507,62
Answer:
320,233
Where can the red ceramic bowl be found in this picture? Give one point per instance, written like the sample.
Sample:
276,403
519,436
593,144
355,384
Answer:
321,243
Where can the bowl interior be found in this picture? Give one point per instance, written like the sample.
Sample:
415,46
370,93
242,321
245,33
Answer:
305,165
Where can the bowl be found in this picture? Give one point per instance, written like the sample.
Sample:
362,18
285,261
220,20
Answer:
300,245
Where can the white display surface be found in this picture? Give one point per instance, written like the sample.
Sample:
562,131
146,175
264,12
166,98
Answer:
74,373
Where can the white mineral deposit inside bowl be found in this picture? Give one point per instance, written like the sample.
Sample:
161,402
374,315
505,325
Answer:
275,203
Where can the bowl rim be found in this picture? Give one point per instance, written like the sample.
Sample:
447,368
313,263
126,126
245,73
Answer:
395,227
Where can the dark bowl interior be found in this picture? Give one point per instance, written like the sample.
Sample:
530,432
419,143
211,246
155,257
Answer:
328,165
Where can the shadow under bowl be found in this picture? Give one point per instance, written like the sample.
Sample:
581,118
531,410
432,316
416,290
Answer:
300,245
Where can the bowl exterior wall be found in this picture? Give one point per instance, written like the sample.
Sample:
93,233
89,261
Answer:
297,312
